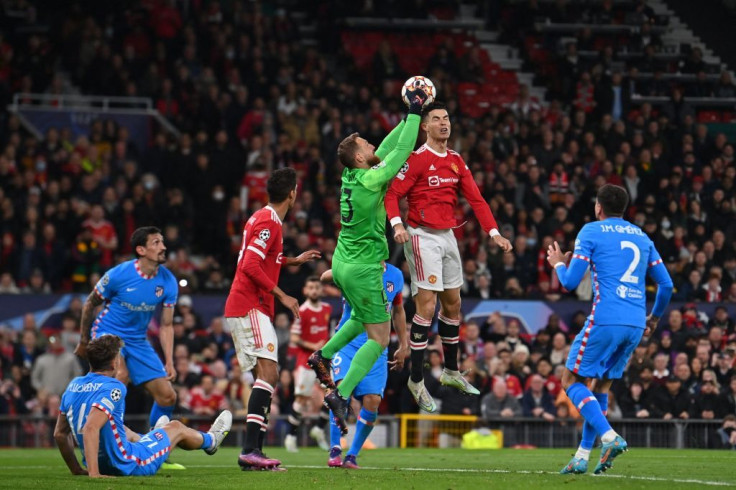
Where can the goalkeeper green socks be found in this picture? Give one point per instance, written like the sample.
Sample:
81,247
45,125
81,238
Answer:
350,330
362,363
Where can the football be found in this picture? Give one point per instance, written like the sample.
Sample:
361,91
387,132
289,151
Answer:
418,82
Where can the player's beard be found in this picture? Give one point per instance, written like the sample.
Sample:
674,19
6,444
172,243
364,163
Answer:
373,161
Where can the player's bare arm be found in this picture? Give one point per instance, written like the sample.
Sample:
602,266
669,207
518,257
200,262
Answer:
166,335
91,433
303,258
652,322
398,317
290,303
88,313
400,234
65,442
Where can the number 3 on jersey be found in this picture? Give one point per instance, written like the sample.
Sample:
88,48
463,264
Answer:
628,275
347,194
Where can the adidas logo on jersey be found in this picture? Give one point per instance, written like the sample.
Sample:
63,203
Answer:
431,167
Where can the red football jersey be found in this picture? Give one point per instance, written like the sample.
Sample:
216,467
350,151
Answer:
259,265
430,180
312,326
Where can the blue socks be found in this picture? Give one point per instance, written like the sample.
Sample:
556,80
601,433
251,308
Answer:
157,411
334,432
589,434
207,440
366,421
589,408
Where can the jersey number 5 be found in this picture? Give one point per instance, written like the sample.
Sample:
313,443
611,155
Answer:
628,275
347,218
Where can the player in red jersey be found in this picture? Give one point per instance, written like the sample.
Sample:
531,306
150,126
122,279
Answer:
249,308
308,334
430,180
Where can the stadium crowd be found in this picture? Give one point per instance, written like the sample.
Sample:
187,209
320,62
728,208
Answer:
249,97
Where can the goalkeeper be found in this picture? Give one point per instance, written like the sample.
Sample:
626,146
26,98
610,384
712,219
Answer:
361,246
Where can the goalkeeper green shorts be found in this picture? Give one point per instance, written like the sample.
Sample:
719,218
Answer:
362,287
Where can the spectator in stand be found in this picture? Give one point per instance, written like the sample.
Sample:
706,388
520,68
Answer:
498,403
727,432
537,402
207,399
53,371
670,401
724,367
706,403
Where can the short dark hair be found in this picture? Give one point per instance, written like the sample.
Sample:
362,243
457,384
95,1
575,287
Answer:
433,106
613,200
313,278
139,238
280,184
347,149
102,351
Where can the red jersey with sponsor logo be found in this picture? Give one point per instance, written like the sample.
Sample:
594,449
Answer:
259,265
430,180
312,326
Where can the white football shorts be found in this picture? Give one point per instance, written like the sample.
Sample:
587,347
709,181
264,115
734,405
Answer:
254,337
434,259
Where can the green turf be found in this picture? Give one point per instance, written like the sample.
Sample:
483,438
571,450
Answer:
394,469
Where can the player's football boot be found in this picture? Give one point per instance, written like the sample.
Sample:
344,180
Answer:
219,430
162,420
323,368
609,451
422,396
290,443
339,407
318,434
457,380
257,459
350,463
335,460
576,466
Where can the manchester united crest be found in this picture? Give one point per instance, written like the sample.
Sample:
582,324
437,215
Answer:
432,279
159,291
454,168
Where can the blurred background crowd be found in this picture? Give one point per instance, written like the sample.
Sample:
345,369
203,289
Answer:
252,90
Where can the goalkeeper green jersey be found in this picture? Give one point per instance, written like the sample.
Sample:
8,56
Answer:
362,238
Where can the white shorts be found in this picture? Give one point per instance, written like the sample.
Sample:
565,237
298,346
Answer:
304,380
434,260
254,337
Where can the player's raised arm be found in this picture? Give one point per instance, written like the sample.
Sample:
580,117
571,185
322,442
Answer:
657,271
390,141
379,175
65,442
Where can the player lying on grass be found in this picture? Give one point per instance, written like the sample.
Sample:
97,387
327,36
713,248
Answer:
92,410
361,247
370,389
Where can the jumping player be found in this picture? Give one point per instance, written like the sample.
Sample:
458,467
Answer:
361,247
370,389
620,256
131,292
430,180
92,411
249,309
308,334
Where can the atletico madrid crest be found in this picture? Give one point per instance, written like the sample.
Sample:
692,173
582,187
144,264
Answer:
159,291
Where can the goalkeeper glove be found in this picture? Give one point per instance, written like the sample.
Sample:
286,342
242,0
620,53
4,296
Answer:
417,98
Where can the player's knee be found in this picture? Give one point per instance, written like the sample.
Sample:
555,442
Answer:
174,426
451,308
167,398
426,306
371,402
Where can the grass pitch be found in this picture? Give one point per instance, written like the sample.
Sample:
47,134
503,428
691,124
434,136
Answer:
395,469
